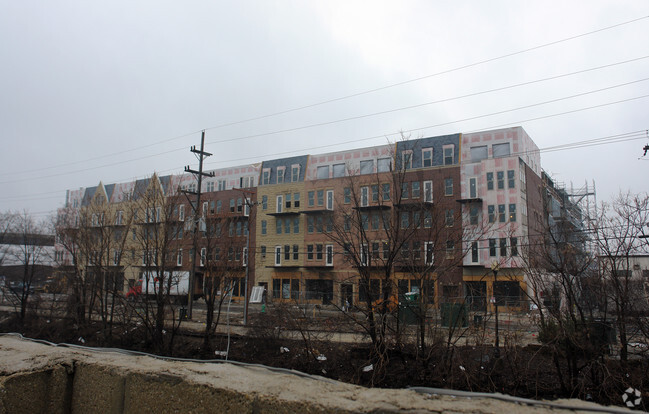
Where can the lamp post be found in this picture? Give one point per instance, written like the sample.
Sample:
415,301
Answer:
495,268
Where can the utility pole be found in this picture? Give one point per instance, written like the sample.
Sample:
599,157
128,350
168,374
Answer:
201,155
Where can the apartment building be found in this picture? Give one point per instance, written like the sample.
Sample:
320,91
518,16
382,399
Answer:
439,213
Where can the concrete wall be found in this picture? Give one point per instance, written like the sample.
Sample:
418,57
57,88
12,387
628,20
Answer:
37,378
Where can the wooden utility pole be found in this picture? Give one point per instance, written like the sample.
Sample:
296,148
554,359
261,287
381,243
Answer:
201,155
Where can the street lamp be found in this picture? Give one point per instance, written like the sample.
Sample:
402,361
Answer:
495,267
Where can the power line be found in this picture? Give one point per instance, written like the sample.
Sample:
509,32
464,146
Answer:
478,63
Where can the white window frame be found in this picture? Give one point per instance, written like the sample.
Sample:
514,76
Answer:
427,246
179,257
203,258
425,151
475,245
406,159
246,206
281,172
181,213
116,255
473,187
278,255
265,176
447,147
244,257
329,254
428,191
206,206
118,218
365,196
364,254
329,199
280,204
294,178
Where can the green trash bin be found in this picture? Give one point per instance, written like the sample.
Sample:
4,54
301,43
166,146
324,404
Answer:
408,308
454,315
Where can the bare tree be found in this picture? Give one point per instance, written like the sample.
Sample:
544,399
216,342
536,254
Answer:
619,236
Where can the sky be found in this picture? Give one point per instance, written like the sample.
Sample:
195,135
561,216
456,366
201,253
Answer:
112,91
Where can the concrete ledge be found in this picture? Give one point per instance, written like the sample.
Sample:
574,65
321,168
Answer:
37,378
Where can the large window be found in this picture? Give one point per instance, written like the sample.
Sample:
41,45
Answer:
428,191
339,170
473,187
479,153
448,186
383,165
500,150
367,167
323,172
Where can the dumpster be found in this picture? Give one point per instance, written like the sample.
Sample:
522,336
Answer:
454,315
409,308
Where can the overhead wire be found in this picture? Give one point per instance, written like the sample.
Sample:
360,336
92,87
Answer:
478,63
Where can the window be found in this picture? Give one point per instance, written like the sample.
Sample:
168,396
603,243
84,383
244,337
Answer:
238,228
244,260
329,255
322,172
473,187
491,209
287,200
318,224
406,159
181,213
279,224
492,247
512,213
263,252
239,205
503,247
232,205
309,224
500,150
246,207
339,170
118,218
116,257
430,253
364,252
265,177
376,219
296,173
405,219
318,252
385,188
296,225
203,256
365,196
428,219
449,155
330,199
210,186
416,190
375,250
386,250
501,179
448,186
450,249
405,190
309,252
311,198
280,174
428,191
296,200
347,193
416,251
427,157
448,218
501,213
320,197
511,181
513,242
383,165
280,204
287,225
296,254
474,252
365,221
474,215
287,252
367,167
490,181
264,202
264,227
479,153
278,255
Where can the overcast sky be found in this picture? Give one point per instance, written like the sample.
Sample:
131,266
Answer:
115,90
